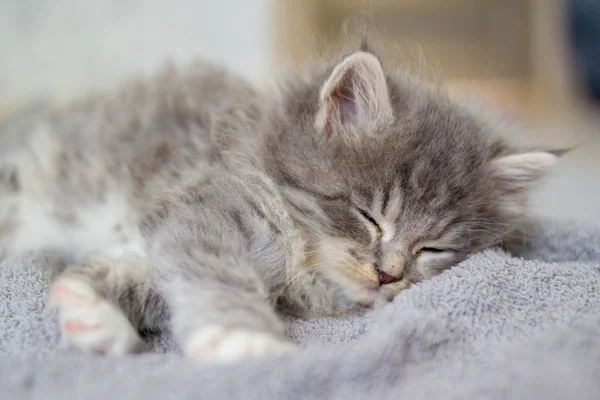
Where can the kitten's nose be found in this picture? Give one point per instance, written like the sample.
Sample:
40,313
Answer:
390,268
385,278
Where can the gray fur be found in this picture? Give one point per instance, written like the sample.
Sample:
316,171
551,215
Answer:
234,204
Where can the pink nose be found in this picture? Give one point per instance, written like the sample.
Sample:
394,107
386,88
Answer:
384,278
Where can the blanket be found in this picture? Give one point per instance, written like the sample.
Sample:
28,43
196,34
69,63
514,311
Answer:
497,326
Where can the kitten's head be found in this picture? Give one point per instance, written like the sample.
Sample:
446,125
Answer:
392,181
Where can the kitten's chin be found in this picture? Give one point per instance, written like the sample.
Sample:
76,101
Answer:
369,293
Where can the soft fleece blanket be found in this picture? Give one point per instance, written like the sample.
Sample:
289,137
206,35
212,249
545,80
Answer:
494,327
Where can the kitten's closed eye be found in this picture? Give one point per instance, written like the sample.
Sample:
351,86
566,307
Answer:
372,220
432,251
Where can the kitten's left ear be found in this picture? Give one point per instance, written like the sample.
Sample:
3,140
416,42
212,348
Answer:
518,173
354,100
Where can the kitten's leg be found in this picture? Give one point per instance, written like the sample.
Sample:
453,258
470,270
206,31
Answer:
224,321
214,261
103,303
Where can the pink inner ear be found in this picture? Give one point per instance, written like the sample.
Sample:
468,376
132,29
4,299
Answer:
346,99
348,110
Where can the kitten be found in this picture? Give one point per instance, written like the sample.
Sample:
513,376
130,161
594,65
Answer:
198,203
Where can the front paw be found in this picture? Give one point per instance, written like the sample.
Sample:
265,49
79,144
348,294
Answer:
218,344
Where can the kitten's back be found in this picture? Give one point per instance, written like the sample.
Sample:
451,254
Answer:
77,181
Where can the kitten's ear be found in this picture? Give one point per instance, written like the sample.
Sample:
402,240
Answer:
354,100
520,171
517,173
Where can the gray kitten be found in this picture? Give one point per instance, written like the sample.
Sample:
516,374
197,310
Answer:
197,203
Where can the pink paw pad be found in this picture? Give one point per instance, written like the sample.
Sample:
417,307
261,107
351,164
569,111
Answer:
60,292
76,326
66,291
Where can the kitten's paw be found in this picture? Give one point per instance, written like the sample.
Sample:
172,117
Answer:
91,323
217,344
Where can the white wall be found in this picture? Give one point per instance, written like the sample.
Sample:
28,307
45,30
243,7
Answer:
63,47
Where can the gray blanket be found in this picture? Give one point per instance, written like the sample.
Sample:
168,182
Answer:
494,327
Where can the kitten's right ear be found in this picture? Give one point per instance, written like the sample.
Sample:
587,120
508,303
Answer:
354,100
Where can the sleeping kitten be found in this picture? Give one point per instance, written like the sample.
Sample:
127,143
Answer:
197,201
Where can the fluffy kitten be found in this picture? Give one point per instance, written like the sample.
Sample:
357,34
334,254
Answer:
197,201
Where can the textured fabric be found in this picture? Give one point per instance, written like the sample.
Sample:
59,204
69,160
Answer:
496,327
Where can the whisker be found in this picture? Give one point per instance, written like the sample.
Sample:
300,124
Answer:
330,262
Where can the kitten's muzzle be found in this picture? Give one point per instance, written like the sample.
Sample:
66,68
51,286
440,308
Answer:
385,278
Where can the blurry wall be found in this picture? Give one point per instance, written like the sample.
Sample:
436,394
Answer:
508,51
63,47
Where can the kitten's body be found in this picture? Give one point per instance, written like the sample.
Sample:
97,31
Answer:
101,160
196,197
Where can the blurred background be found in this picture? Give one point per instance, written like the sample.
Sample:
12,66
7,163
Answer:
538,61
